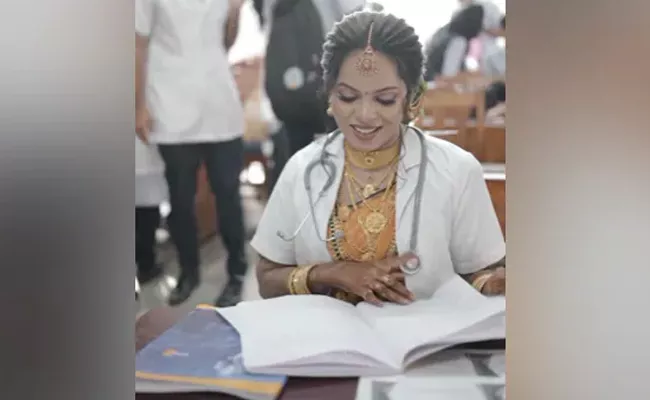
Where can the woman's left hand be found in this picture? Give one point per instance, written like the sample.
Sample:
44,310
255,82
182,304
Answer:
496,284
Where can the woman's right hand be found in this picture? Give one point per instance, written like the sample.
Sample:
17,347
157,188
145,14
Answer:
375,282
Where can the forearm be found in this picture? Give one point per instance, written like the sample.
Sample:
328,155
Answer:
273,278
482,273
487,270
141,50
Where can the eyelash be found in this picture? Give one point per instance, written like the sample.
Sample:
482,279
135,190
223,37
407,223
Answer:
351,99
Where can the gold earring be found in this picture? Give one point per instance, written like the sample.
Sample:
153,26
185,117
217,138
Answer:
329,111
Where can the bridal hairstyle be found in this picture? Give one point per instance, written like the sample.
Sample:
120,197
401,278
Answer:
390,35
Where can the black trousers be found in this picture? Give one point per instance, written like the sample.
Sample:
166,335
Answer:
224,163
298,137
147,220
281,154
301,135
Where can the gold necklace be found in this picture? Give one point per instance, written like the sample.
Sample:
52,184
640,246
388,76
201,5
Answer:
369,188
375,222
371,160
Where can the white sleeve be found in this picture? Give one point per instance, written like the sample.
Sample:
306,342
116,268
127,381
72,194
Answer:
454,56
144,11
279,217
476,240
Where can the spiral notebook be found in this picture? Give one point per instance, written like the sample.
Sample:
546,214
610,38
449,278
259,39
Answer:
201,353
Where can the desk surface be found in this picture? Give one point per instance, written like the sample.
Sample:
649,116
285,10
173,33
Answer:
152,324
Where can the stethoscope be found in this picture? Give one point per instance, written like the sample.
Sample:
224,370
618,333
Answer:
410,267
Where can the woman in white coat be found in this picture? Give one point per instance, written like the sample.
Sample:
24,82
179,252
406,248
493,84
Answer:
150,193
376,211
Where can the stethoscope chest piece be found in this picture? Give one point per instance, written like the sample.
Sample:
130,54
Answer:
412,266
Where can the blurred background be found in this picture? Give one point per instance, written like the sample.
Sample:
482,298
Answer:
465,115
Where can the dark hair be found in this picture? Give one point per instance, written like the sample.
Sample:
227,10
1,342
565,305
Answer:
503,22
468,22
391,36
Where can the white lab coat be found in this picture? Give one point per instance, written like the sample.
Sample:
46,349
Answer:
191,93
150,184
459,232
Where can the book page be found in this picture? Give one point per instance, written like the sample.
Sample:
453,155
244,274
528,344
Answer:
299,335
453,310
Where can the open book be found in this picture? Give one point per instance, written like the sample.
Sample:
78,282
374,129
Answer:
320,336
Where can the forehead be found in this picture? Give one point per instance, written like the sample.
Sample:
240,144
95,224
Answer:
385,75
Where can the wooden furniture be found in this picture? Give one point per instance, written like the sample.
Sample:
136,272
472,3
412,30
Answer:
447,113
155,322
447,109
490,146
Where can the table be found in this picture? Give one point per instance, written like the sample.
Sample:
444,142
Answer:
488,146
155,322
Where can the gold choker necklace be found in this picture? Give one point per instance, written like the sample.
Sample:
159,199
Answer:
371,160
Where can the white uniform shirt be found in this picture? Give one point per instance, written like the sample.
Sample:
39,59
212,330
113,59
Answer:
191,93
459,232
494,63
491,20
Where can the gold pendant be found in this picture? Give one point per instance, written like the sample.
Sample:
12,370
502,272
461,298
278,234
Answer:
368,190
369,160
344,213
375,222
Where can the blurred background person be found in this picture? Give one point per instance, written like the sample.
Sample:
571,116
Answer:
188,104
488,39
494,66
295,32
448,48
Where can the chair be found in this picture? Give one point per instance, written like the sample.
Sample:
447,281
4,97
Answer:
446,112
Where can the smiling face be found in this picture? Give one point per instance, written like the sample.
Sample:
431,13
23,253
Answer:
368,108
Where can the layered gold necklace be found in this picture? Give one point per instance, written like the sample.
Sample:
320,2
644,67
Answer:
370,161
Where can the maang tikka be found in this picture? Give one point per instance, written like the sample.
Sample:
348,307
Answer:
366,63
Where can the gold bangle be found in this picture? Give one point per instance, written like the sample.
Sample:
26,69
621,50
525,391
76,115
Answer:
480,282
298,280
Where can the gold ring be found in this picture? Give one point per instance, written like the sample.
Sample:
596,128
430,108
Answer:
387,280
